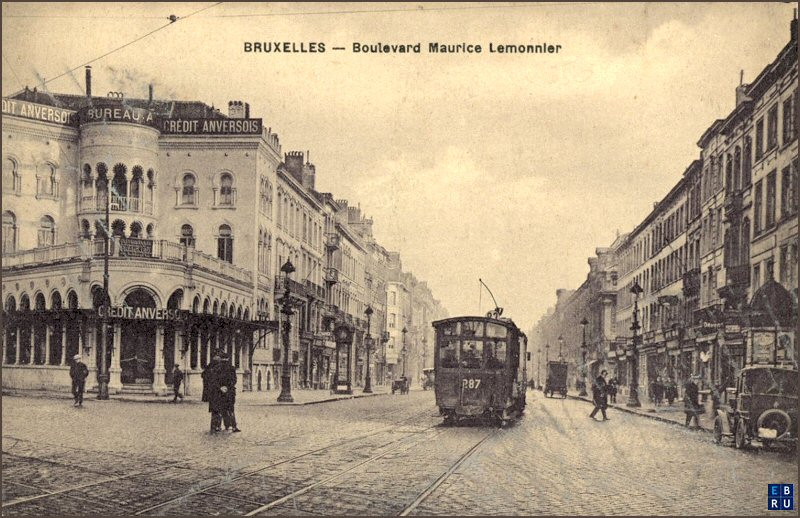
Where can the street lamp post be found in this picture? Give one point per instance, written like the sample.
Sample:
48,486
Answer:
633,395
286,308
538,370
104,377
560,346
584,322
404,350
368,345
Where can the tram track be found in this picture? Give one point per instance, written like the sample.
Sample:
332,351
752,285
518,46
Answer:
444,476
229,480
186,462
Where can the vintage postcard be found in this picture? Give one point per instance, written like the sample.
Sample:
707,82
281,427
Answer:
399,258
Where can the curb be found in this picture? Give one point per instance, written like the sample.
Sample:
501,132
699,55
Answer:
168,400
649,415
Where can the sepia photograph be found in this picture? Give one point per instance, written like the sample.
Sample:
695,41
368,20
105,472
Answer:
399,259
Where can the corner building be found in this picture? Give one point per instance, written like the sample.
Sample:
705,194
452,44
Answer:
190,192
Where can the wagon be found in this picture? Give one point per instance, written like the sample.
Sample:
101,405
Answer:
556,379
400,385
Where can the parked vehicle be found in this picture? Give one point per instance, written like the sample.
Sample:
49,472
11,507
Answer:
428,378
478,372
763,408
556,379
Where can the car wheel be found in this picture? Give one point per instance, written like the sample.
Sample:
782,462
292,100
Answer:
718,430
740,435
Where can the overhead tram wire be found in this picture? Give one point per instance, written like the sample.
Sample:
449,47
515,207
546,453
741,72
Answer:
172,19
420,9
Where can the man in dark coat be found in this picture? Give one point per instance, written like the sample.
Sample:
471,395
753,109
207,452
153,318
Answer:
177,379
212,376
600,395
691,403
78,372
228,381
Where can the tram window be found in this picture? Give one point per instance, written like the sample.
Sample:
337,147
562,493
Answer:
495,354
496,331
450,329
471,354
472,328
448,354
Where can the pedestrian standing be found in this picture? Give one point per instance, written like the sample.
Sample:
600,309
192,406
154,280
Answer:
228,387
612,389
78,372
177,379
691,403
214,392
658,392
600,395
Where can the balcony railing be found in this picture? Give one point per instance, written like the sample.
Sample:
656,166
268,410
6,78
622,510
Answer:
133,249
332,241
97,203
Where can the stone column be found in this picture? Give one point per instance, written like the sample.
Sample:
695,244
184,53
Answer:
64,344
115,371
19,346
32,344
159,387
47,333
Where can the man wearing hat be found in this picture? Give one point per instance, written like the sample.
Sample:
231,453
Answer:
215,391
691,403
228,382
78,372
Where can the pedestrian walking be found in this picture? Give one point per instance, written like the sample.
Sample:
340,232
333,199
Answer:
600,395
691,403
228,387
177,379
78,372
671,391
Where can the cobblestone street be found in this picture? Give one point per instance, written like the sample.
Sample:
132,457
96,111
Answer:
384,455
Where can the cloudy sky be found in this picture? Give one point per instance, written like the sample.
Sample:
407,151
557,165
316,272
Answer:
511,168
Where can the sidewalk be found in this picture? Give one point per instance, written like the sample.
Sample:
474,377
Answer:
668,414
264,398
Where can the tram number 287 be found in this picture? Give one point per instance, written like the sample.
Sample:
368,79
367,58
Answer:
470,383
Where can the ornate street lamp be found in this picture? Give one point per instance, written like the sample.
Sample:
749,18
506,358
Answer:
633,389
286,308
404,351
368,345
584,322
104,377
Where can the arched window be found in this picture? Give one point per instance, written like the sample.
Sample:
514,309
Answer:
9,232
46,180
136,230
118,228
101,185
86,229
226,189
136,189
47,232
11,178
225,244
150,231
86,179
188,193
119,184
187,235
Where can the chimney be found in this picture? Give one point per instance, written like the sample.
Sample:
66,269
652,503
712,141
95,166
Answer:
309,175
89,81
294,164
150,92
246,110
236,109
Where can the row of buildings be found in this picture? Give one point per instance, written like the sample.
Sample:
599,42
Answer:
711,270
204,210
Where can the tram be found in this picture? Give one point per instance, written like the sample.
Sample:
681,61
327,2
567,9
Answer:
480,368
